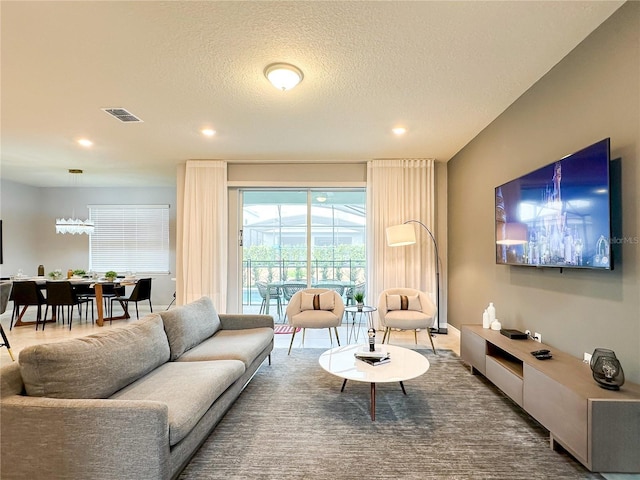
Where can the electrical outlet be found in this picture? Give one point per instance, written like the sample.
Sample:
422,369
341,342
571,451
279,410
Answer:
586,358
537,337
528,332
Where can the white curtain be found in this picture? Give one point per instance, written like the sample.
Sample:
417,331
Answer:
201,249
397,191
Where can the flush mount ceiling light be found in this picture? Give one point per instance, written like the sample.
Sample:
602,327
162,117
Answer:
208,132
399,130
283,76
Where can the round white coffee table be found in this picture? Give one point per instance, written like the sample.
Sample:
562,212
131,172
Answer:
405,364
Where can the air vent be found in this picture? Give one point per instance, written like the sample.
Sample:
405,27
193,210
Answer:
122,115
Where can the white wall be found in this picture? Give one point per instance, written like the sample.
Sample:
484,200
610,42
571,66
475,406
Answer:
30,239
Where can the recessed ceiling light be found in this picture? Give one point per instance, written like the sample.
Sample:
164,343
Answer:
399,130
208,132
85,142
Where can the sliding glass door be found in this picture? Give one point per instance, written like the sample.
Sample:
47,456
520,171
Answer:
300,237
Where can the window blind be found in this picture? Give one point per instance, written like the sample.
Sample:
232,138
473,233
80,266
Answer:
129,238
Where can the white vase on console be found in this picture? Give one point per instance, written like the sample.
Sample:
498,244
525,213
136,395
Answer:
485,319
491,310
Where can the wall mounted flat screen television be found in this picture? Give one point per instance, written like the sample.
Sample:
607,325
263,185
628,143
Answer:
558,215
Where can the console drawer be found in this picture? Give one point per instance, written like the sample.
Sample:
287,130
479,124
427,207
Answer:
473,349
504,378
559,409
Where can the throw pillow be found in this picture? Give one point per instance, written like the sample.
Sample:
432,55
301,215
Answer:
189,325
317,301
403,302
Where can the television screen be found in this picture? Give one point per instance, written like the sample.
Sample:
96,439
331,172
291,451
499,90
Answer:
558,215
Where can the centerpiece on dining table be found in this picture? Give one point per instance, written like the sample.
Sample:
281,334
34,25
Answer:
56,274
110,276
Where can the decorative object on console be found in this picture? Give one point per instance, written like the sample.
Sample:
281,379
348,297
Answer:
491,310
485,319
606,369
405,234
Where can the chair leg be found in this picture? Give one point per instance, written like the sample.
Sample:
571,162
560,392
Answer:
150,306
292,337
337,338
431,340
16,309
330,337
6,343
387,331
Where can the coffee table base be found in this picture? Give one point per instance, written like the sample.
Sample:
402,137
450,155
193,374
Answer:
373,396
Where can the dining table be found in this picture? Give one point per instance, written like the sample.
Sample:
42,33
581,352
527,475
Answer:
95,283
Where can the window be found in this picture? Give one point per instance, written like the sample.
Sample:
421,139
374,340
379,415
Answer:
306,236
129,238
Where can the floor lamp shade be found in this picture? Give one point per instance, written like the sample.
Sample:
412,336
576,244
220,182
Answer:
400,235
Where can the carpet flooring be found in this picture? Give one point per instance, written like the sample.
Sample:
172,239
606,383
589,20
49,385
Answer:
292,422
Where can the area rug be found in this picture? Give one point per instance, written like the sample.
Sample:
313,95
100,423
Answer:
292,422
284,329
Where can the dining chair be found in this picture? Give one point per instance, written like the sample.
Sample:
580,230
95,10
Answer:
274,294
109,290
60,295
5,293
290,289
142,291
25,294
336,287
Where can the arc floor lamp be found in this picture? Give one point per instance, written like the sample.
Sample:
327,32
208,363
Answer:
405,234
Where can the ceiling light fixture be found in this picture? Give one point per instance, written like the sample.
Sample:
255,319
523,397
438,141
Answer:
399,130
283,76
85,142
208,132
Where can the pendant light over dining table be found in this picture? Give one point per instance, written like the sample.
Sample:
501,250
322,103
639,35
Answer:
74,225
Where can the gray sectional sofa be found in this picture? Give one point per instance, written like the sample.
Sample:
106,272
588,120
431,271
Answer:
132,402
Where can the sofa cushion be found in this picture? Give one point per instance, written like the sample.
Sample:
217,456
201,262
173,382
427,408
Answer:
97,365
187,388
244,345
188,325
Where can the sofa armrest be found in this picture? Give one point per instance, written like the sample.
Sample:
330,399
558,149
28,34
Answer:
106,439
241,321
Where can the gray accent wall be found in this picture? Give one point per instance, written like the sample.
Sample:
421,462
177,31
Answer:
593,93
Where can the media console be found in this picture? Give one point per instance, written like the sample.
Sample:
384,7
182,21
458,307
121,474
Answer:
600,428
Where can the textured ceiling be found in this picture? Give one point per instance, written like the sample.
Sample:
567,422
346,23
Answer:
444,70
